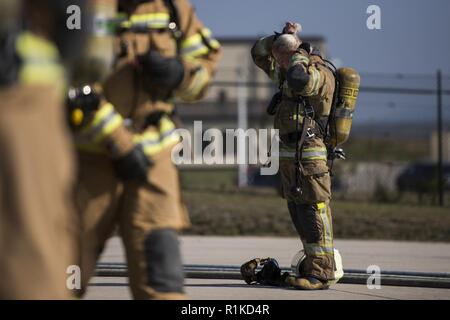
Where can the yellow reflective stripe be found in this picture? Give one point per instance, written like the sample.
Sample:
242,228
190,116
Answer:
321,205
314,158
152,149
154,142
102,113
149,141
315,149
194,46
148,136
297,59
191,41
327,228
109,128
150,20
300,118
198,82
207,34
195,51
314,154
328,238
105,121
40,61
168,132
146,17
30,46
166,125
42,73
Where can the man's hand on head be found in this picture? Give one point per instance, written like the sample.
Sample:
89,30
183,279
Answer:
292,28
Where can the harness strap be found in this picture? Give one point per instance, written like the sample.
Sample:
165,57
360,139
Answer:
308,122
174,25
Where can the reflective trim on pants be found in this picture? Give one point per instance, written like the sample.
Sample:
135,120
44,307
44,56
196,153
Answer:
308,154
325,246
327,228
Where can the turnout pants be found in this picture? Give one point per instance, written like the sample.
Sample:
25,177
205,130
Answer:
311,215
310,208
148,216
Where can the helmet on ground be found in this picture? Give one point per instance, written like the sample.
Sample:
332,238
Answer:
299,257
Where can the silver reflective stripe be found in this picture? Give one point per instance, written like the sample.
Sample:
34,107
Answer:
286,154
194,48
306,155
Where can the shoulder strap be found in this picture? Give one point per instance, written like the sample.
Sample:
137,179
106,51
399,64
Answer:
328,64
175,26
173,11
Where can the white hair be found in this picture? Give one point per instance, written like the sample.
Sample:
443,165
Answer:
286,43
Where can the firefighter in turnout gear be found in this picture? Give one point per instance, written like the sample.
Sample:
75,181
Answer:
125,131
38,223
301,110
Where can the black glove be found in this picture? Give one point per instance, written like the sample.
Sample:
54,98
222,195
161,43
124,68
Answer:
160,71
81,105
297,78
133,166
336,153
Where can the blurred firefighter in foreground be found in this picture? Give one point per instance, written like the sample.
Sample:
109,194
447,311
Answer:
313,114
127,178
37,220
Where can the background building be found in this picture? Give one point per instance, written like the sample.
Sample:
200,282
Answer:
219,108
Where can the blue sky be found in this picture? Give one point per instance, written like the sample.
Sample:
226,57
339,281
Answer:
414,37
414,40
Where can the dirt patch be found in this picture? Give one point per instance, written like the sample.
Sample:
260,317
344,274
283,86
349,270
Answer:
250,212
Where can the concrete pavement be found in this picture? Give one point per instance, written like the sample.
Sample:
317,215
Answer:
388,255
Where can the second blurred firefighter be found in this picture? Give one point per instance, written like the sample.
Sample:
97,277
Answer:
162,51
38,225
